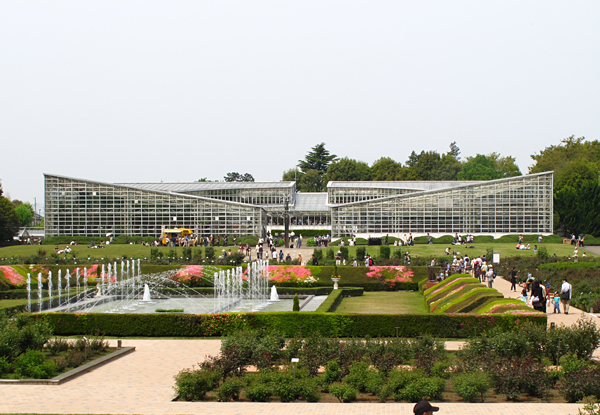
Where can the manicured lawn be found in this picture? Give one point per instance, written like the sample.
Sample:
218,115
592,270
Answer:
504,249
111,251
12,303
397,302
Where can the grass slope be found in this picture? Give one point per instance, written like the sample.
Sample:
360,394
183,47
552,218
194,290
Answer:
383,303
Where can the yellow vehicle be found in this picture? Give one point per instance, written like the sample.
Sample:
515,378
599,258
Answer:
179,232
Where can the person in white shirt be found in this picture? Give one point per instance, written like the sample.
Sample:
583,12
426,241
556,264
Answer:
566,291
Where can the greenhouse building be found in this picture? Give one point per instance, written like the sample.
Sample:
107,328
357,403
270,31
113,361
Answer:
522,204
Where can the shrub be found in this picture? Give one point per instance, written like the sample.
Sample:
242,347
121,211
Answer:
296,306
470,385
230,390
358,376
397,381
333,372
259,392
74,358
441,370
515,376
583,338
344,251
581,379
427,352
33,364
329,255
360,253
344,392
192,385
209,253
386,355
542,253
22,332
384,251
397,254
308,389
5,366
57,345
318,254
423,389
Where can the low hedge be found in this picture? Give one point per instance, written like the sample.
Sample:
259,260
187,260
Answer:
336,296
288,323
17,294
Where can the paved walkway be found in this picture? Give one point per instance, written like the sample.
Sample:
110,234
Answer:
142,383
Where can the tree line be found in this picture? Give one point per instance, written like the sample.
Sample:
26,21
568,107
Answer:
320,166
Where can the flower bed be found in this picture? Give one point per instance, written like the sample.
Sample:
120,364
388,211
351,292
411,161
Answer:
391,275
291,274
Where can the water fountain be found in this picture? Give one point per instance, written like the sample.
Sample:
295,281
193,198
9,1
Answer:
132,292
29,292
274,295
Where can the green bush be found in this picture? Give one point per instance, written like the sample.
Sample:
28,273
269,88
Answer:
583,338
423,389
22,332
296,306
470,385
329,255
361,252
230,390
542,253
318,254
33,364
398,379
192,385
209,252
259,392
333,372
441,370
580,379
344,251
358,376
343,392
384,251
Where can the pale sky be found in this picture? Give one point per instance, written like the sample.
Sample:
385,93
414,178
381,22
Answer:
144,91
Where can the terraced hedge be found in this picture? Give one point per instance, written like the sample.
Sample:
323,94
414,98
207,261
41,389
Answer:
462,294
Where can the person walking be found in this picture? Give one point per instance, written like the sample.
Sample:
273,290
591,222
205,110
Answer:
566,291
513,279
491,276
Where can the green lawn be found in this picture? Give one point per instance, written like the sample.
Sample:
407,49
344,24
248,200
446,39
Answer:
111,251
139,251
13,303
504,249
397,302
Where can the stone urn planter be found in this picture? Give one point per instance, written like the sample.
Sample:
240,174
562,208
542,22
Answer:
335,282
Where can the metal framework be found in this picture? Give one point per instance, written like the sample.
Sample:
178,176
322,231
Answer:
521,204
83,207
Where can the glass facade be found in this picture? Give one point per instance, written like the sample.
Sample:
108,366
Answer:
521,204
81,207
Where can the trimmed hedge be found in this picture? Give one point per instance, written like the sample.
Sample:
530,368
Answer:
472,300
336,296
555,266
288,323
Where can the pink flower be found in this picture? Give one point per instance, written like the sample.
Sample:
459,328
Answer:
290,273
190,272
12,275
390,274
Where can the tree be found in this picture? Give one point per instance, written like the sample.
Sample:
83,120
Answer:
507,166
575,173
556,158
348,170
385,169
579,207
290,175
430,165
9,221
25,214
318,159
311,181
237,177
454,150
479,168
